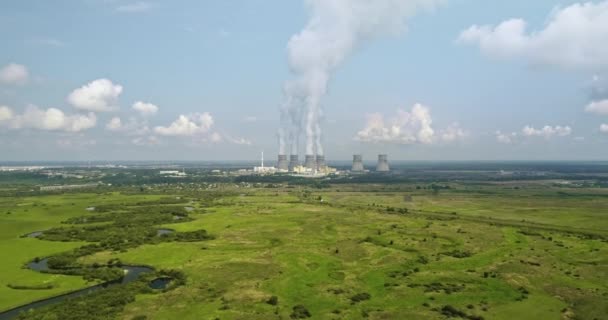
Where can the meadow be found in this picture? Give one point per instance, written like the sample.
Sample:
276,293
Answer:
520,250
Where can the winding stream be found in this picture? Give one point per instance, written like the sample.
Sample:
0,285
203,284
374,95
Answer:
131,274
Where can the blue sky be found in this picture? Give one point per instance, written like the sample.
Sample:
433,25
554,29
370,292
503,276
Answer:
221,65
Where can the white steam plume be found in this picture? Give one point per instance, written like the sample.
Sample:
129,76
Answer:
336,28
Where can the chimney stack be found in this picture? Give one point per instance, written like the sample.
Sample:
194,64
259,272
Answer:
321,162
282,163
383,163
293,162
309,162
357,163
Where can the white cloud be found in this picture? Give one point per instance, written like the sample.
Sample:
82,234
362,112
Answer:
599,107
14,74
238,140
100,95
140,6
547,131
144,108
115,124
52,119
575,37
452,133
5,113
195,124
506,138
604,128
406,128
132,127
145,141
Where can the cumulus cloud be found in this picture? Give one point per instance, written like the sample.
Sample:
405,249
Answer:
144,108
52,119
6,113
598,107
604,128
100,95
405,128
145,141
547,131
237,140
191,125
115,124
452,133
506,138
575,37
132,127
14,74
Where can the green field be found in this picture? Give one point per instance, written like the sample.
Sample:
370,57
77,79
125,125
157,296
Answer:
493,251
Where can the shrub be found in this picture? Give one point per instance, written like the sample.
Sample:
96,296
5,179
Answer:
300,312
360,297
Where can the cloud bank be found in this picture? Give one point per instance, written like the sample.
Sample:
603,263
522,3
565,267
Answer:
14,74
100,95
144,108
407,127
547,132
574,37
190,125
51,119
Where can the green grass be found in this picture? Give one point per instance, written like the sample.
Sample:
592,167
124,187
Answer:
321,254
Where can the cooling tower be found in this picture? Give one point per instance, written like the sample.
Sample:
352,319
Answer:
383,163
358,163
293,162
321,162
282,163
310,162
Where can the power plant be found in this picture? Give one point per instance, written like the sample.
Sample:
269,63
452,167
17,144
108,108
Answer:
310,162
282,163
293,162
321,162
382,163
358,163
314,166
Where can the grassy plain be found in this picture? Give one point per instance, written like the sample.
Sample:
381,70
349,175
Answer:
498,251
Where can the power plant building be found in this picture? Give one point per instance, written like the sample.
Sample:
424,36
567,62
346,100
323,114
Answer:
321,163
358,163
383,163
282,164
293,162
310,162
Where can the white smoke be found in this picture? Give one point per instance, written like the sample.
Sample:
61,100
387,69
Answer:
336,29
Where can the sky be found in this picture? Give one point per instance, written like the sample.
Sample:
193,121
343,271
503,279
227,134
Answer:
224,80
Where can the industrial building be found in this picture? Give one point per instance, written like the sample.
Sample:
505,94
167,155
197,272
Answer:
382,163
358,163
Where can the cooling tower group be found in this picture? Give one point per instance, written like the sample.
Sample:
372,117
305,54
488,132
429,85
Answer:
382,165
318,163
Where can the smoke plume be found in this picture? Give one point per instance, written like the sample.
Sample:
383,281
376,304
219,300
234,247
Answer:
336,29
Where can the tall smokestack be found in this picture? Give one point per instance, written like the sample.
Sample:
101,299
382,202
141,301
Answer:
293,162
358,163
382,163
321,162
309,162
282,163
